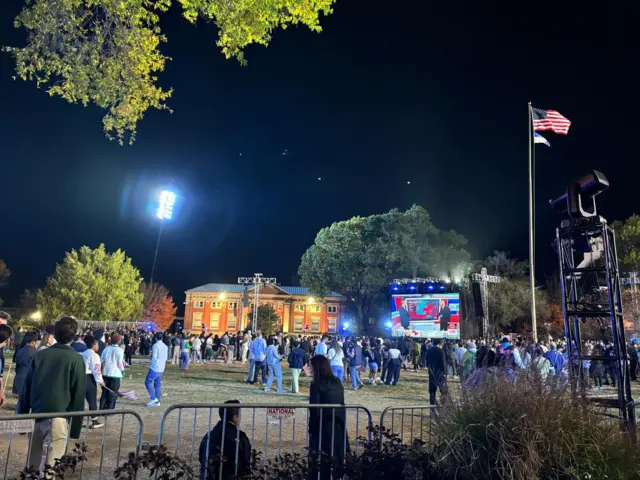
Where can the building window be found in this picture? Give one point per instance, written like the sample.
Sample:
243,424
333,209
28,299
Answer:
297,324
332,324
299,307
231,323
232,305
332,309
214,321
315,324
197,321
216,305
316,308
198,304
280,307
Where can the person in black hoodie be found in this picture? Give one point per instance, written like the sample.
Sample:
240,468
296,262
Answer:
214,454
437,365
297,360
327,436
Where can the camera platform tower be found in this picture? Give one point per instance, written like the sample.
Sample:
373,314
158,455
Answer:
587,256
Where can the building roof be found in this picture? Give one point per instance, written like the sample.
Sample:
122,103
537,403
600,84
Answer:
235,288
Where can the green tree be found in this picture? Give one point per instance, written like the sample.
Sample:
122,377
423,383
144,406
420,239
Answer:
510,305
107,52
628,241
93,285
268,320
360,256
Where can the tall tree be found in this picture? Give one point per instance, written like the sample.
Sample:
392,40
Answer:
268,320
628,241
92,284
107,52
360,256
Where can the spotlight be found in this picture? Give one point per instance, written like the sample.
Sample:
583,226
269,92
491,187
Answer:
411,287
395,288
389,324
345,325
430,287
579,199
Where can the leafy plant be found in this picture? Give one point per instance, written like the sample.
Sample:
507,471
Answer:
62,466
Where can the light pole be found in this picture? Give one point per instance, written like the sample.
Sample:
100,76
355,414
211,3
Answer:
484,280
257,280
166,202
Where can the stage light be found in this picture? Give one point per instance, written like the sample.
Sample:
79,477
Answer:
395,287
442,287
411,287
430,286
579,198
166,203
345,325
389,324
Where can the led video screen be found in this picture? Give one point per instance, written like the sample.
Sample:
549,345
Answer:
432,315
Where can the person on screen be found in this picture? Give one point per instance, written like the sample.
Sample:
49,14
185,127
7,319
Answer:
444,316
405,320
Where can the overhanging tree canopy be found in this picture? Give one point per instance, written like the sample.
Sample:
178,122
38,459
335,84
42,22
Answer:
107,52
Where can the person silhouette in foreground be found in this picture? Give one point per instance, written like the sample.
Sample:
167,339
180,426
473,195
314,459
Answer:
215,454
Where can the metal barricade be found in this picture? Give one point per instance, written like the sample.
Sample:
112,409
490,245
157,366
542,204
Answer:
272,429
409,423
105,446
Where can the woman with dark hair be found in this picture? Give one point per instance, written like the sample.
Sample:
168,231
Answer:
24,357
327,426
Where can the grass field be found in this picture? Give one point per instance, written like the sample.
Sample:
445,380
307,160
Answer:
216,383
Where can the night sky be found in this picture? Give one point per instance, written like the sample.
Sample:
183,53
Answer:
434,93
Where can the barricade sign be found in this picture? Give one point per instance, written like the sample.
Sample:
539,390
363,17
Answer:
16,426
276,415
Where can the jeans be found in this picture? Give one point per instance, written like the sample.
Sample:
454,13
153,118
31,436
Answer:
295,375
338,371
355,376
276,369
252,367
262,366
153,382
184,360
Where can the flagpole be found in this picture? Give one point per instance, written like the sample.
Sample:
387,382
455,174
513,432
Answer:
532,274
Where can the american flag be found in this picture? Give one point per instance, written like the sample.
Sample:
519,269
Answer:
549,120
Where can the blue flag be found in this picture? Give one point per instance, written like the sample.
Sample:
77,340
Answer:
540,139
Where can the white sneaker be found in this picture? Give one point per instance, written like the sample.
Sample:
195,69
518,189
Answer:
152,403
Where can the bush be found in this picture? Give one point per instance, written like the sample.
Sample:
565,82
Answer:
518,428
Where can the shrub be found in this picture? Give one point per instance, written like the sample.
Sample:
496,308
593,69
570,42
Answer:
519,428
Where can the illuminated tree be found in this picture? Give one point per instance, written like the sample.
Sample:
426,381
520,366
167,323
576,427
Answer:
628,241
92,284
106,52
162,312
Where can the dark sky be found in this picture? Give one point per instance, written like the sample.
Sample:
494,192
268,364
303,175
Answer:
431,92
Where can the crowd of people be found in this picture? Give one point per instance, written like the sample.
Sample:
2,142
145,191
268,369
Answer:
58,369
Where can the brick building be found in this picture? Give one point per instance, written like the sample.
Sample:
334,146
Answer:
218,308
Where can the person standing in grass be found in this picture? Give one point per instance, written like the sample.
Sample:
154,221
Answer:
112,372
185,350
93,370
153,382
297,360
273,362
335,355
56,382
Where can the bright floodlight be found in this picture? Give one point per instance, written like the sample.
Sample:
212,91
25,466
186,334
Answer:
165,208
389,324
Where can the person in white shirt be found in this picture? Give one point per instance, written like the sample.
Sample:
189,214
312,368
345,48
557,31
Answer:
153,382
336,359
94,376
112,370
197,350
321,347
